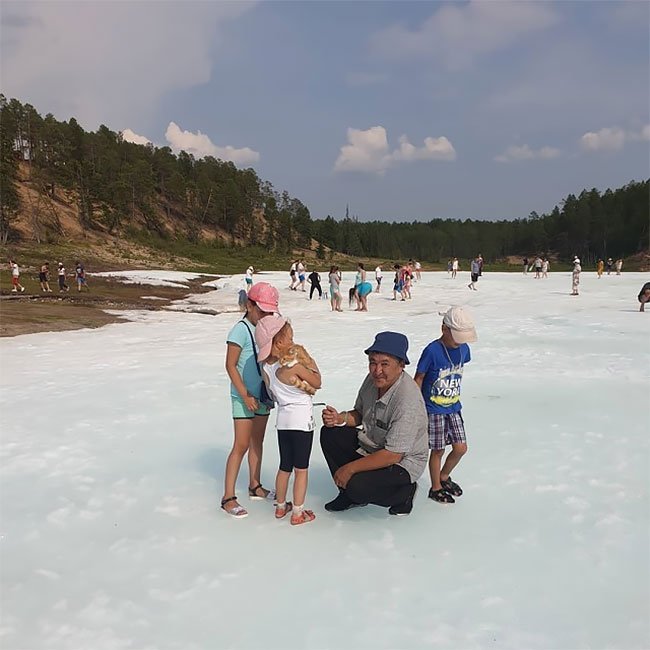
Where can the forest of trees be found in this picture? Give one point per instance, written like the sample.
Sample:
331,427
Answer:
117,185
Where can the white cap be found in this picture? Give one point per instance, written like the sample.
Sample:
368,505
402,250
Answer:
461,325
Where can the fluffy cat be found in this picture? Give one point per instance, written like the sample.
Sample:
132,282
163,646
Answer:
297,354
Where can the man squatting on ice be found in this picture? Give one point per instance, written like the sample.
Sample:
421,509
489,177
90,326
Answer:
380,462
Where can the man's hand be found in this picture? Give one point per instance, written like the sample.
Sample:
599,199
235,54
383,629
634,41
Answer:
331,417
251,403
343,475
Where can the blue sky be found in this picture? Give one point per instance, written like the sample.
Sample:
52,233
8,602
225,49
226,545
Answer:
402,110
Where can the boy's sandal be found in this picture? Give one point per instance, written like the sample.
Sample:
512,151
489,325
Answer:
451,487
254,496
303,517
238,512
441,496
282,511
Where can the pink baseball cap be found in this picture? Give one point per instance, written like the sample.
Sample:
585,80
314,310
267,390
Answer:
265,330
265,296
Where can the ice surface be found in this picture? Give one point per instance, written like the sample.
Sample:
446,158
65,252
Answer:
113,448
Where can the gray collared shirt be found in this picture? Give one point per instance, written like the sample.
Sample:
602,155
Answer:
397,422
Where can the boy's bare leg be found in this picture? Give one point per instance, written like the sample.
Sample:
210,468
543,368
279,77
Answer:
434,468
457,452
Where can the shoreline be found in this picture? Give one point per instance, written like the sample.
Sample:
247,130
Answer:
32,313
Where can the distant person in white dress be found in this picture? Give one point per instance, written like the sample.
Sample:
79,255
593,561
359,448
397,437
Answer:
378,277
575,276
454,267
619,266
418,271
249,278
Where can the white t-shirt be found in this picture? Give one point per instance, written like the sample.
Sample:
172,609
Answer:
454,265
378,273
15,271
295,409
249,273
418,266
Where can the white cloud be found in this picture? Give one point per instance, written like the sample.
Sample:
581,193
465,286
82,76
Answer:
200,145
518,153
108,62
613,138
458,33
131,136
368,151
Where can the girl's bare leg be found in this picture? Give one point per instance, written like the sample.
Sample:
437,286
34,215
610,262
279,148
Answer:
258,429
282,485
243,430
299,487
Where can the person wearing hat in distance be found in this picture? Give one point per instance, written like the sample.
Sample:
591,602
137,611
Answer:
249,415
575,275
295,416
439,373
380,462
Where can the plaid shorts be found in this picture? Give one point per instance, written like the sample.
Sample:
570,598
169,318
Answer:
446,429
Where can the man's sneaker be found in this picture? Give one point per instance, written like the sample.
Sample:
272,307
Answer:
451,487
404,508
341,503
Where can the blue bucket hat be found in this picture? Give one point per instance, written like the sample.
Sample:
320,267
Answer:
392,343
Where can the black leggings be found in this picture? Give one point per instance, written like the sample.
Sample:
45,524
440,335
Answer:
386,487
315,287
295,448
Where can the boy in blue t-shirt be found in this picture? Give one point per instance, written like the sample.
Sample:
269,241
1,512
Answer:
439,374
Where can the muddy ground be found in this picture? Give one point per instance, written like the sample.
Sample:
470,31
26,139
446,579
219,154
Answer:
34,311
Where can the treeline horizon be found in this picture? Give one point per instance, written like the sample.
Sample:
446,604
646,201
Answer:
119,186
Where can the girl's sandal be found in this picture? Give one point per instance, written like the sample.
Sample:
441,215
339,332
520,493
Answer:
282,511
441,496
303,517
267,494
238,512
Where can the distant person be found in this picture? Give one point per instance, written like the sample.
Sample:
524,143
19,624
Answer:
418,270
439,373
546,265
44,277
525,262
15,277
479,259
397,285
302,277
475,272
619,266
538,267
378,459
242,299
644,296
80,276
295,417
249,278
335,288
314,280
378,277
454,267
249,413
600,267
61,275
362,288
575,276
609,265
292,274
449,267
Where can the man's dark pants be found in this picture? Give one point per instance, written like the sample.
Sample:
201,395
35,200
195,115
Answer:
386,487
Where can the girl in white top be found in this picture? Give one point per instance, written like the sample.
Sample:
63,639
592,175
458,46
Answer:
295,417
249,278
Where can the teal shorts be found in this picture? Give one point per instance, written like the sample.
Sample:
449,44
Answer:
240,412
